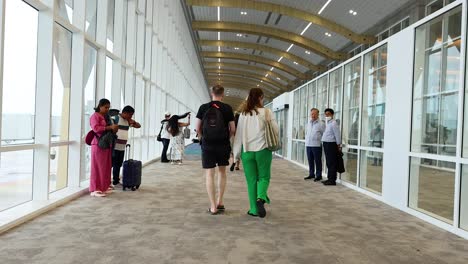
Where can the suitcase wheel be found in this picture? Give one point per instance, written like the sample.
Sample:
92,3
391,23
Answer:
133,188
138,186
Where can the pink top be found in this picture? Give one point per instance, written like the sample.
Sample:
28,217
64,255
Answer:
98,124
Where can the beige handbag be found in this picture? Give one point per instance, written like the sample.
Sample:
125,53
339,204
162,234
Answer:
271,132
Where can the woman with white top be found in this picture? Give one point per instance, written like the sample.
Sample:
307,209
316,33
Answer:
251,146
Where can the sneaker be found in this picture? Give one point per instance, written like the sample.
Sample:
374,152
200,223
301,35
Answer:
261,208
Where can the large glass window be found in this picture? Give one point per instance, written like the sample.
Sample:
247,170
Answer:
432,188
296,113
89,101
108,84
304,114
19,73
373,99
464,198
322,94
110,25
436,85
371,171
65,9
336,89
351,108
16,174
91,18
61,83
312,95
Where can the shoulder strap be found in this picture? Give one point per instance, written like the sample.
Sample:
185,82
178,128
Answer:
267,114
116,119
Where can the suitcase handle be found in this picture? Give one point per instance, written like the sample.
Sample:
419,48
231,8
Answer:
127,152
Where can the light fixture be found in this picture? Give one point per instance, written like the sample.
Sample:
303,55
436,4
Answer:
266,75
243,13
296,63
278,78
239,35
280,59
352,12
305,29
236,48
272,68
219,16
289,47
327,34
307,52
324,6
261,81
258,85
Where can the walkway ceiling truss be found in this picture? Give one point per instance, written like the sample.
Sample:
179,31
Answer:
264,48
250,68
245,74
287,11
243,84
253,58
271,32
272,89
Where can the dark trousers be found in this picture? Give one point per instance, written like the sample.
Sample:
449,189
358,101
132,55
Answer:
314,156
331,156
117,161
165,142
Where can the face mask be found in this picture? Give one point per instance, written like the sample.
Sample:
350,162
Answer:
328,118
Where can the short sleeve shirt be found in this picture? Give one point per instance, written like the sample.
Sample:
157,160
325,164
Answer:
226,110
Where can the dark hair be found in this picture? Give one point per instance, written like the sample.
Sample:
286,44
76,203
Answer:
252,102
318,111
330,110
217,90
128,109
102,103
173,124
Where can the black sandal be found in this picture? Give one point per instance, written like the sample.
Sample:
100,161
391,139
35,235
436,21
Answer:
232,167
249,213
221,207
212,213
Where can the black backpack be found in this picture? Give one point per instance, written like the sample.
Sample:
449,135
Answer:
214,129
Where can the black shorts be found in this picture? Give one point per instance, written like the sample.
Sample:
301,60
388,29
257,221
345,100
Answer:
215,155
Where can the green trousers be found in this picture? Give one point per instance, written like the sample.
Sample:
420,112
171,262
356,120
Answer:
257,169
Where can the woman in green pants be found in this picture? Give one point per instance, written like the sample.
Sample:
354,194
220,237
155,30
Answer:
251,146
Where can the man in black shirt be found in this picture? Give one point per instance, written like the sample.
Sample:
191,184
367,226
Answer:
215,125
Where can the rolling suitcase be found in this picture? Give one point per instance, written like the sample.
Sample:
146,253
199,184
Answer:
131,172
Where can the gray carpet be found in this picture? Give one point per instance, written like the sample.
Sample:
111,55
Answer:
166,222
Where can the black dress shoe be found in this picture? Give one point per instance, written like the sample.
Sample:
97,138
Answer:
309,178
325,181
317,179
329,183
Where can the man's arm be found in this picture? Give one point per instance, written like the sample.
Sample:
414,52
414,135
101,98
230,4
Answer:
134,123
232,129
198,124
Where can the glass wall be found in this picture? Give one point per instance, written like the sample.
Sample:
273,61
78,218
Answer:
91,18
64,8
464,198
61,89
110,25
435,115
18,103
336,90
108,89
322,95
351,111
432,189
373,118
436,85
89,101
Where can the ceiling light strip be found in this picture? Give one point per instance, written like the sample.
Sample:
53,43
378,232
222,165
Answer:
324,6
219,15
305,29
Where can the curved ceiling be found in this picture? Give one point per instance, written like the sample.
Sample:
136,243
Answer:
280,42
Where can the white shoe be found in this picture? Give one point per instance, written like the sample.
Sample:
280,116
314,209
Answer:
179,163
98,194
172,163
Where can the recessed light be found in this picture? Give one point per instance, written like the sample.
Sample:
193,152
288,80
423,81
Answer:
236,48
243,13
258,85
296,63
261,81
278,78
327,34
307,52
354,13
239,35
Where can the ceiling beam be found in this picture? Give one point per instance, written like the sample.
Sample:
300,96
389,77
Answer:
271,32
251,68
252,83
243,85
258,77
254,46
291,12
258,59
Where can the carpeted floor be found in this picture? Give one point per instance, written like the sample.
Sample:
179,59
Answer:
166,222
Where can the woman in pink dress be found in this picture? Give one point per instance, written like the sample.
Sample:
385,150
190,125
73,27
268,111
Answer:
101,159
